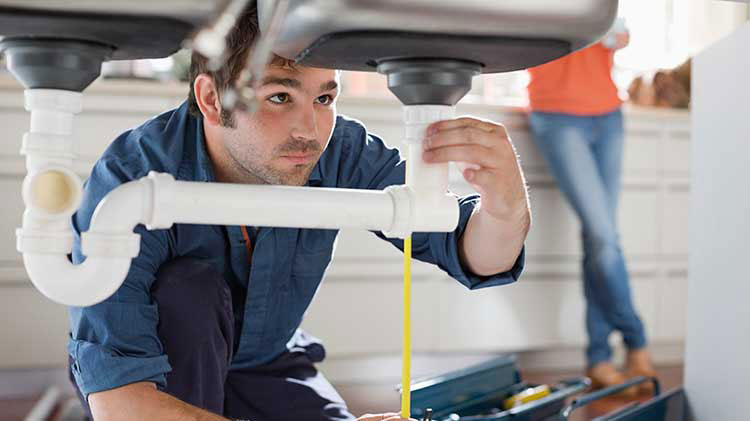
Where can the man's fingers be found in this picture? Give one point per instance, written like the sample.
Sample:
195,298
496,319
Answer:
463,122
480,178
461,135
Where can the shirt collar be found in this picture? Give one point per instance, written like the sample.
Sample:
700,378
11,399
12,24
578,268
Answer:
316,176
204,170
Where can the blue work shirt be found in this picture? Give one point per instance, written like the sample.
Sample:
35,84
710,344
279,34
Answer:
115,342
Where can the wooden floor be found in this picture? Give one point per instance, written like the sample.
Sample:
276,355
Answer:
16,409
382,398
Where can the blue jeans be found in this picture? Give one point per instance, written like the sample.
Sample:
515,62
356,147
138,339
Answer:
584,153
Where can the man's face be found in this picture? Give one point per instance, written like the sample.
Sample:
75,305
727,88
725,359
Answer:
282,141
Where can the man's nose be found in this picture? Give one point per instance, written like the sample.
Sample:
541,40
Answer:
306,126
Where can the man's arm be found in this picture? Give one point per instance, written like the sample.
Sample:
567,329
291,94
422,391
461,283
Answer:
142,401
489,246
496,231
115,342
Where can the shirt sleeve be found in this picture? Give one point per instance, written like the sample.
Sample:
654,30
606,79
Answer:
115,342
367,163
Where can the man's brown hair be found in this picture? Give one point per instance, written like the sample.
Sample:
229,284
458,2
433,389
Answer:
239,43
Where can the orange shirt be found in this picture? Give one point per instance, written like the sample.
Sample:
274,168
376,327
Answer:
579,83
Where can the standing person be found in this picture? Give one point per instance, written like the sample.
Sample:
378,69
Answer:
577,124
206,324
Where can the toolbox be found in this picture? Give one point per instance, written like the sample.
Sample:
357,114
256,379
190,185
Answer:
481,392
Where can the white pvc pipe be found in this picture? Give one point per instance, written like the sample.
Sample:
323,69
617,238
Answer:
45,238
427,179
89,283
45,121
123,208
158,201
435,210
109,245
52,110
270,206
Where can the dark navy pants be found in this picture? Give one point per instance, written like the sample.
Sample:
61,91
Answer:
196,328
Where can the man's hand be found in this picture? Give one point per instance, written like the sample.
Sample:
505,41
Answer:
495,173
495,234
391,416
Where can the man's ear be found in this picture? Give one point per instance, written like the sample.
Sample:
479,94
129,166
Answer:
207,97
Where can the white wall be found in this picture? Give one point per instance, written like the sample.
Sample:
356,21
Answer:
718,340
663,33
357,311
710,20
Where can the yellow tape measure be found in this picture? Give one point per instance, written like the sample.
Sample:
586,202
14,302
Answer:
406,345
406,356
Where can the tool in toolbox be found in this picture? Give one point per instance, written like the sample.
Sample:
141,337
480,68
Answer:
479,393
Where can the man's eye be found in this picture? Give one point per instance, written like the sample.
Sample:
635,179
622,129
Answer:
325,99
279,98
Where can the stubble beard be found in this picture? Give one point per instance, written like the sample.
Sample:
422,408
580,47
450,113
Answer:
249,169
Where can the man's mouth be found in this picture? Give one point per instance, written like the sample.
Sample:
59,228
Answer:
299,158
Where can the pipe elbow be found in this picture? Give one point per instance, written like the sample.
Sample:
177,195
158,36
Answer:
123,208
82,285
110,233
109,245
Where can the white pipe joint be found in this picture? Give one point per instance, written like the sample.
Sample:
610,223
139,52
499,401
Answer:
51,196
49,140
43,149
52,110
424,198
413,212
52,192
